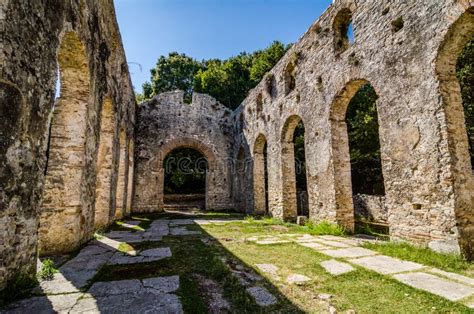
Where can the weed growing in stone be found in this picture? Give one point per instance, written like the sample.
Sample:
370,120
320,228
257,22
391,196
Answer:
47,270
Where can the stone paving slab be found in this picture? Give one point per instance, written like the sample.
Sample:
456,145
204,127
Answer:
386,265
314,245
162,284
46,304
130,303
349,252
442,287
336,268
182,231
108,288
269,242
457,277
262,296
151,255
333,243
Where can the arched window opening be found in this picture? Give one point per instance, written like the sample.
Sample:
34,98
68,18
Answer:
185,172
454,70
300,171
465,76
104,166
344,35
364,145
290,78
293,171
260,176
62,214
259,103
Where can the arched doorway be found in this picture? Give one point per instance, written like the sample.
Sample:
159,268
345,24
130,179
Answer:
356,150
260,176
104,166
185,178
458,109
212,189
62,217
295,194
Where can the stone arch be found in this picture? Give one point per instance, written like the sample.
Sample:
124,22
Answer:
341,155
260,178
212,169
120,204
458,35
104,166
62,216
290,206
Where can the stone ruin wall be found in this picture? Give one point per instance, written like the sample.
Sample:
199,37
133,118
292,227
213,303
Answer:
35,36
166,123
426,168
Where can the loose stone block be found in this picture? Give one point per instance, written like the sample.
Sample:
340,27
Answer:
444,288
314,245
336,268
297,279
386,265
268,268
262,296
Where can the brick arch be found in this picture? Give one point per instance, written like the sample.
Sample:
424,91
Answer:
63,217
259,172
290,208
458,35
212,170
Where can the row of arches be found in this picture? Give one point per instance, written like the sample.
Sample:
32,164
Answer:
347,154
67,215
456,130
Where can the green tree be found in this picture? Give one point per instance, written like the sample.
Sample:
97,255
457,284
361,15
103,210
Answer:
176,71
226,80
264,60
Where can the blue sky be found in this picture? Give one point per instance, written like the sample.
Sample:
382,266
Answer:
205,29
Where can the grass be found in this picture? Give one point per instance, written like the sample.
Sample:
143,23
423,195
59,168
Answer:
362,290
423,255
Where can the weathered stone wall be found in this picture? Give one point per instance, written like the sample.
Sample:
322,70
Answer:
36,37
407,51
166,123
370,207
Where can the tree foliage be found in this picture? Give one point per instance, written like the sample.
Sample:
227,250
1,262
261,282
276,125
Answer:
226,80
